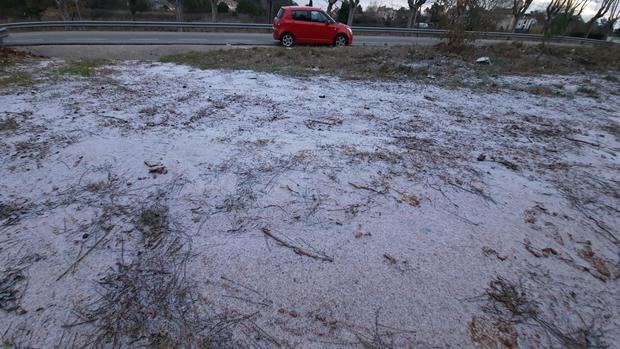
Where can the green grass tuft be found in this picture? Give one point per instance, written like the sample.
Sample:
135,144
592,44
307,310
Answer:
16,79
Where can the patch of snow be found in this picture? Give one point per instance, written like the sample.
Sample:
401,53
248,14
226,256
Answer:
372,169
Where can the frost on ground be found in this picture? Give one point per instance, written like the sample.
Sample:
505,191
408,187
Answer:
159,205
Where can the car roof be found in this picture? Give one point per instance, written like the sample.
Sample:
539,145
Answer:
302,8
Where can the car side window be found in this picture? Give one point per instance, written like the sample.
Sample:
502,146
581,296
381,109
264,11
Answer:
317,16
280,13
300,15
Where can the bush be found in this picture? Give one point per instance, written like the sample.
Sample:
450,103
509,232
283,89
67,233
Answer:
222,7
249,7
196,6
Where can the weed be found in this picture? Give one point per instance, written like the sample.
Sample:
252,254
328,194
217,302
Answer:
395,62
32,148
511,297
85,68
586,90
11,211
8,125
541,91
17,79
510,303
153,224
9,57
10,292
149,303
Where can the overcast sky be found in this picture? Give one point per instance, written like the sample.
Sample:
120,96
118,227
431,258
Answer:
536,5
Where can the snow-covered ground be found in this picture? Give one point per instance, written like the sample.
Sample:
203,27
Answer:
403,207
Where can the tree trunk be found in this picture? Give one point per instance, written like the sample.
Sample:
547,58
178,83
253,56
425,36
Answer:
410,20
589,27
62,7
270,12
179,13
352,8
330,6
213,10
415,17
77,8
513,23
610,29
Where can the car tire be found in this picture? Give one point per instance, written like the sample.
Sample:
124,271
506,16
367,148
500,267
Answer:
340,40
287,40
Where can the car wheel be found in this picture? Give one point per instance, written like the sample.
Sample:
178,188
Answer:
287,40
340,40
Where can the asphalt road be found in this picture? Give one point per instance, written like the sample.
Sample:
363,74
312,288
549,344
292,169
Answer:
182,38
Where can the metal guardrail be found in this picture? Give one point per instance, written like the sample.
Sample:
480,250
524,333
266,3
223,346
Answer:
258,26
3,34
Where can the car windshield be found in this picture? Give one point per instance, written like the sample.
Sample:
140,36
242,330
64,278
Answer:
328,17
318,16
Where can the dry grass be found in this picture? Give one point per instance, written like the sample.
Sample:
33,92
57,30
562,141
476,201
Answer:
149,303
9,57
84,68
8,124
510,303
146,300
505,295
10,290
16,79
153,224
407,62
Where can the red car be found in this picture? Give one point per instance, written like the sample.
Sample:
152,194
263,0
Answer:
309,25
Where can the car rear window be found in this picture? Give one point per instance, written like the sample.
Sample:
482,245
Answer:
280,13
301,15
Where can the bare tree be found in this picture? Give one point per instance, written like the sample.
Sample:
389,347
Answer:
77,9
567,9
553,9
602,11
458,19
519,7
330,5
62,7
133,8
179,10
214,10
572,10
352,7
414,8
612,17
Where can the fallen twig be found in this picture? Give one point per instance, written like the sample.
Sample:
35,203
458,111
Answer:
582,141
298,250
477,192
91,249
360,186
115,118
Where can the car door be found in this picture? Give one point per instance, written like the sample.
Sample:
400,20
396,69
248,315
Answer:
301,25
321,31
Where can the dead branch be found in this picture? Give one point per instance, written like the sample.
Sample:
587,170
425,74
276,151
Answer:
77,261
363,187
298,250
582,141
